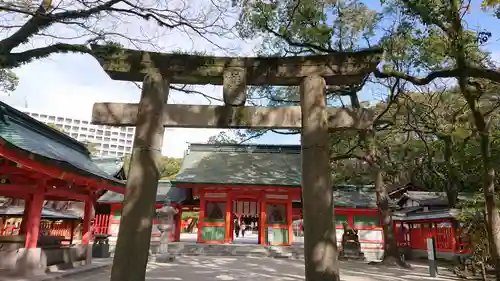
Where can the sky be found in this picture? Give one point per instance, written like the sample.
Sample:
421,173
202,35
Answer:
69,84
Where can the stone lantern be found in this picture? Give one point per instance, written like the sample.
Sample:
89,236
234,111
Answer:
165,215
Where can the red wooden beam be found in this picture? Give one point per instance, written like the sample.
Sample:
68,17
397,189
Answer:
14,194
24,188
30,164
11,170
62,193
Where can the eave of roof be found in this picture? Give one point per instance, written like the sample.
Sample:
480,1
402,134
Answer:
166,192
34,140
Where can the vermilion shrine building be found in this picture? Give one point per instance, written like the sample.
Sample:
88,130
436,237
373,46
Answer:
38,163
264,180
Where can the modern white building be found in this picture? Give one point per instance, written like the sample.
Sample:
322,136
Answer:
107,141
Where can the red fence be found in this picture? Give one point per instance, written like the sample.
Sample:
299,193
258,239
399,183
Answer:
101,224
57,228
414,236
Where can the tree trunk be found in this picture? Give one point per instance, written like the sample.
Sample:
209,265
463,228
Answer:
491,204
320,241
391,251
451,187
134,236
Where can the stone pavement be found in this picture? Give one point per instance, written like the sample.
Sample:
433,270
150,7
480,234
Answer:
248,268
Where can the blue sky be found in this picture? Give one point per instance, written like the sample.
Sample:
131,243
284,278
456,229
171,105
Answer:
69,84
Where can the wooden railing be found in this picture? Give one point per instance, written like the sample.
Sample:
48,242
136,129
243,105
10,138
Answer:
101,224
416,238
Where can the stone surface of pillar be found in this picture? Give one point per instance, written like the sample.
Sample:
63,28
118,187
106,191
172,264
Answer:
320,245
134,236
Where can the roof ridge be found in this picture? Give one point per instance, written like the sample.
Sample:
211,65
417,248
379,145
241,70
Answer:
42,128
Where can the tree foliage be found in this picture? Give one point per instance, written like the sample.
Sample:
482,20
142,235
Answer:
36,29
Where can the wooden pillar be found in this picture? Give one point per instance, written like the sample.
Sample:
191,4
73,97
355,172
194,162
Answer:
228,223
134,235
289,217
178,224
262,220
27,203
33,217
201,216
87,221
320,245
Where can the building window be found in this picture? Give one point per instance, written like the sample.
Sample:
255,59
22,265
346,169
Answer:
92,130
52,118
106,139
114,139
121,147
107,133
60,119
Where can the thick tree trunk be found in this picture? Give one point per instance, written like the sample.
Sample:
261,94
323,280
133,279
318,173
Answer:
491,204
132,247
391,251
320,243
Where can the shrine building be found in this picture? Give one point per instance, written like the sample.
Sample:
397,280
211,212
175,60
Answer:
264,181
40,164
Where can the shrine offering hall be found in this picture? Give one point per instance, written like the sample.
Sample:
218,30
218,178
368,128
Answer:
260,182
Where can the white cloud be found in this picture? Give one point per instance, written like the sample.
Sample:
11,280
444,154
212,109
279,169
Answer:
69,84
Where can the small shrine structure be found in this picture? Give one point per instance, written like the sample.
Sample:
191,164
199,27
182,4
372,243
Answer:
421,215
39,164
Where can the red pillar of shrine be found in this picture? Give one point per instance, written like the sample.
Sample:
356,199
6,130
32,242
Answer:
178,223
87,221
229,204
201,217
32,217
262,220
289,219
23,229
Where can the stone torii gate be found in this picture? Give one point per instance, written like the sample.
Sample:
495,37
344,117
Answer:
152,114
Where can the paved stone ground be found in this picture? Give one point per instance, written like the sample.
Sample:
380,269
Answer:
247,268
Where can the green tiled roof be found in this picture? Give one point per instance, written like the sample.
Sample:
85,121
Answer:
112,166
165,190
28,136
241,165
277,165
355,197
